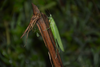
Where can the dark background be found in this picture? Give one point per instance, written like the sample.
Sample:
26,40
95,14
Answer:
78,22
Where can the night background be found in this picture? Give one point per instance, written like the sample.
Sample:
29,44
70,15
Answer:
78,22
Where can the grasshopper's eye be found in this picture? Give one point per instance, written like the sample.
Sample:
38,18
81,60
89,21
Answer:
49,20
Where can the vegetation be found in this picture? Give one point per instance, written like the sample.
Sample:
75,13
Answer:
78,22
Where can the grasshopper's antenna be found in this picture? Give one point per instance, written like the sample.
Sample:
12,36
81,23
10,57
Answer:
48,12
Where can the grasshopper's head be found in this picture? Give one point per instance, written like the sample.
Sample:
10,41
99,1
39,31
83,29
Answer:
50,15
50,18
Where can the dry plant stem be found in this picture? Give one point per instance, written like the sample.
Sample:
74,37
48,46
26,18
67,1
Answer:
53,45
43,24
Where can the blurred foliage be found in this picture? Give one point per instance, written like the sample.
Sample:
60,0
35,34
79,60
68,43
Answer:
78,22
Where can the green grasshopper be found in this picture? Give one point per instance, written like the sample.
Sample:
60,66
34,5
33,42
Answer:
55,33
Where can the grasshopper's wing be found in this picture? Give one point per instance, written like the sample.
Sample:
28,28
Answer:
59,39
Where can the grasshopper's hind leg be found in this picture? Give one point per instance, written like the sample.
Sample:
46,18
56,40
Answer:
56,47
